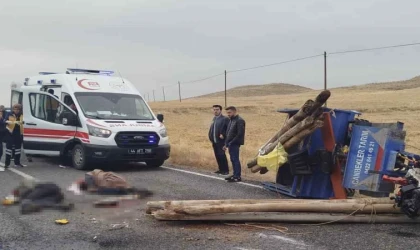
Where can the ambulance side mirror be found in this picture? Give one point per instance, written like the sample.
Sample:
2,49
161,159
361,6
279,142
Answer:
160,117
69,119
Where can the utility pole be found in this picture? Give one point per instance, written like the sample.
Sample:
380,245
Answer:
325,73
325,70
225,89
154,99
163,90
179,90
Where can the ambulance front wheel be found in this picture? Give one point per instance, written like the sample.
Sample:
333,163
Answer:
155,163
78,157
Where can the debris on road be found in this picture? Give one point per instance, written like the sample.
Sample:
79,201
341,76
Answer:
119,226
8,200
75,189
62,221
106,203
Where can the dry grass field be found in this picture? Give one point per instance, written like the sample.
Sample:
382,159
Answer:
188,122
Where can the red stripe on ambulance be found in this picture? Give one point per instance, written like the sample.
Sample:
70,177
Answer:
56,134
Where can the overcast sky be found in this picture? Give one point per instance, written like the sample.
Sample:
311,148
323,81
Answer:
156,43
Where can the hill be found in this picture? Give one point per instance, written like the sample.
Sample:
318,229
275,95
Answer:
395,85
259,90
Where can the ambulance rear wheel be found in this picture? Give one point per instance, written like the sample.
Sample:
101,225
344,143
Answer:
78,157
155,163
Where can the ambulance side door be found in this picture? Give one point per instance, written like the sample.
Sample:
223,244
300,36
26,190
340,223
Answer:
45,133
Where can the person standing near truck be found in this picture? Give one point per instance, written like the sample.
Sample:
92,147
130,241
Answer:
217,135
235,138
14,125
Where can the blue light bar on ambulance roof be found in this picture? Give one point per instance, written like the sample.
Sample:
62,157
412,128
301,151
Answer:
53,81
39,82
91,71
47,73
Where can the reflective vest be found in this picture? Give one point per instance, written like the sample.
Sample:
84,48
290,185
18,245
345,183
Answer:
11,126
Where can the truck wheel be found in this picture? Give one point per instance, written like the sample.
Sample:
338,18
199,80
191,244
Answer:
155,163
78,157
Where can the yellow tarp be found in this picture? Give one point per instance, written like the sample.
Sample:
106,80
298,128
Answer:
274,159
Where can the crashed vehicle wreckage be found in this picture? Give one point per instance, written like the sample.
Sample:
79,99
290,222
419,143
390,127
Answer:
342,155
322,157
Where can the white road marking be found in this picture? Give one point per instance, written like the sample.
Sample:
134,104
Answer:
285,239
22,174
16,171
210,176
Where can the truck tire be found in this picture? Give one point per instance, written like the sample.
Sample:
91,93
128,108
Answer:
78,157
155,163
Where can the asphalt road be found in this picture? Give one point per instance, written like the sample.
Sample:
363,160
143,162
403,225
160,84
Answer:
93,228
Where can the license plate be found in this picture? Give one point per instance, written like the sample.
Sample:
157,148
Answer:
141,151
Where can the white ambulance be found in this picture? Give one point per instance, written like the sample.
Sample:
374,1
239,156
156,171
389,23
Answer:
90,116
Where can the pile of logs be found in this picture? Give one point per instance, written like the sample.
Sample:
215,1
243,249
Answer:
297,128
375,210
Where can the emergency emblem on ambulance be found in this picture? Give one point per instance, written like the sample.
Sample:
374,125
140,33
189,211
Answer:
88,84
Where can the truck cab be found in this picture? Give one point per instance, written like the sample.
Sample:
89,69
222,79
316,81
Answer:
90,116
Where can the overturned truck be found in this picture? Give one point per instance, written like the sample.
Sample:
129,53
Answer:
323,153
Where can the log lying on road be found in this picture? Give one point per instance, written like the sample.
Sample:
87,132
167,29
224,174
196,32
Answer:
365,210
291,207
160,205
293,218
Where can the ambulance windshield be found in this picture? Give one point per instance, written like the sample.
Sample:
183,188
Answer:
113,106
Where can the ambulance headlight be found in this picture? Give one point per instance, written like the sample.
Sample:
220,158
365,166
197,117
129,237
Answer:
99,132
163,133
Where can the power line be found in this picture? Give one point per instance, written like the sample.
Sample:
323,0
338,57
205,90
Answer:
193,81
272,64
203,79
293,60
377,48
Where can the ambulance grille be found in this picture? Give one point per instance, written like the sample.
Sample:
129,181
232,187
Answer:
136,139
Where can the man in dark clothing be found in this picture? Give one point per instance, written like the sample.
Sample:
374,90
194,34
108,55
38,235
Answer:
14,125
235,137
217,135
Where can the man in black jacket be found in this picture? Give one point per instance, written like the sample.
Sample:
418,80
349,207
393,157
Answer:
217,135
235,137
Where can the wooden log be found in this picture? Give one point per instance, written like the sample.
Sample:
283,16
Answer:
293,218
302,135
306,123
299,116
159,205
292,142
309,108
320,100
292,207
